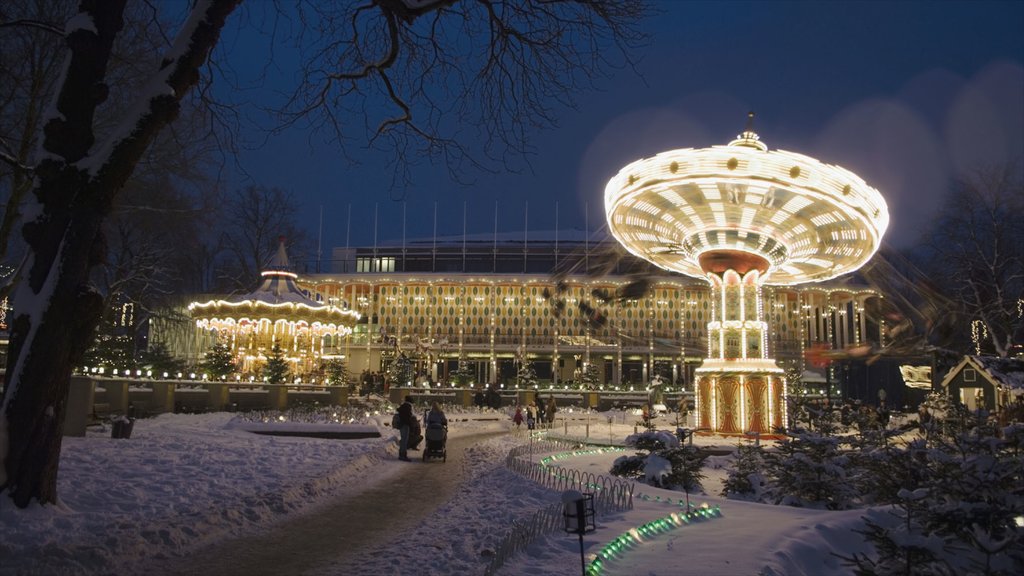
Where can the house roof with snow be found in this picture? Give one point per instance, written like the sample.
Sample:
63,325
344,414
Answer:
1006,373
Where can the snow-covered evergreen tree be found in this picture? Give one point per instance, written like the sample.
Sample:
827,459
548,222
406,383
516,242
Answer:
810,470
661,461
276,369
589,377
746,477
219,363
527,376
955,500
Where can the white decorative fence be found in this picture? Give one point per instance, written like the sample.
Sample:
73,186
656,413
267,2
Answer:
610,495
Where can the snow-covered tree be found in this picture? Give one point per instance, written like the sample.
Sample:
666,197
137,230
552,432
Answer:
527,376
276,369
809,469
745,480
219,362
590,377
661,461
395,55
957,513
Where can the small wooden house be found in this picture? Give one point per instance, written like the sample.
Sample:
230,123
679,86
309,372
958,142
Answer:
986,381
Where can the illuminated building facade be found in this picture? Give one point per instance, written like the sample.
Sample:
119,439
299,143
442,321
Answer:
483,300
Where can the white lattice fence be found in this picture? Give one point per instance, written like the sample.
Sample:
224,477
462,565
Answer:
610,495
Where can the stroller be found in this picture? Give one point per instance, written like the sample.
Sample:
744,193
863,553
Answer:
437,439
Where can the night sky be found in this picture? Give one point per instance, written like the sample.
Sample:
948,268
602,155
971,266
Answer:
905,94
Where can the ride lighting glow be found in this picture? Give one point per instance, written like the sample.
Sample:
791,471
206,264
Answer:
740,216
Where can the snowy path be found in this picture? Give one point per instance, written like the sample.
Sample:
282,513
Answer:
336,531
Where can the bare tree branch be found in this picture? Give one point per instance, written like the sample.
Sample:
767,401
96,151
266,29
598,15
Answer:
36,24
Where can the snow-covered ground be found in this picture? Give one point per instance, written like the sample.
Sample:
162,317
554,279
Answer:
183,481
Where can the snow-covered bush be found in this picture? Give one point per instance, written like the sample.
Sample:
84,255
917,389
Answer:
652,440
629,466
661,461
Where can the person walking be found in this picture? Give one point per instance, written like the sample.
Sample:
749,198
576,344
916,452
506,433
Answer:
551,409
405,418
531,415
540,410
518,418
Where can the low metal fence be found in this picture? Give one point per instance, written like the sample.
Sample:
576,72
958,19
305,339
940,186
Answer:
610,495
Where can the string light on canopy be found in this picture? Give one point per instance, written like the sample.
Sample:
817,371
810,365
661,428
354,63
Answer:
276,312
741,216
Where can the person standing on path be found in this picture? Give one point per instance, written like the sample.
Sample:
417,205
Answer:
551,409
405,418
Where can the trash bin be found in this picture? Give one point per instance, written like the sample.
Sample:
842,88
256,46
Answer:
122,427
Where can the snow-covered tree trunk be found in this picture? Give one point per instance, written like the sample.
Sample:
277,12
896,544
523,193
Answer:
56,309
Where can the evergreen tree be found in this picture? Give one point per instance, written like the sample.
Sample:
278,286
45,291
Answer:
590,379
527,376
158,360
219,363
400,370
111,353
336,372
810,469
463,375
746,478
957,514
687,464
276,369
661,461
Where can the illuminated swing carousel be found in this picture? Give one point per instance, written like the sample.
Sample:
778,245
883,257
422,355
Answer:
276,313
741,216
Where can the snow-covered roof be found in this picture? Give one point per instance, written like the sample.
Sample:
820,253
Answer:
1008,372
1003,372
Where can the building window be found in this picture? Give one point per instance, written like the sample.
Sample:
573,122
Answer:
970,375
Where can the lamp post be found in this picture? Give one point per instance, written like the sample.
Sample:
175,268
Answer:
579,518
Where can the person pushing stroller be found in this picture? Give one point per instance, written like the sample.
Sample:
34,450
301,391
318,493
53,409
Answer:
436,417
436,433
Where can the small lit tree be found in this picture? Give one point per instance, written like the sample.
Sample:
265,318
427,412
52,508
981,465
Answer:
463,375
400,370
276,369
589,377
336,372
111,353
159,360
527,377
219,363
